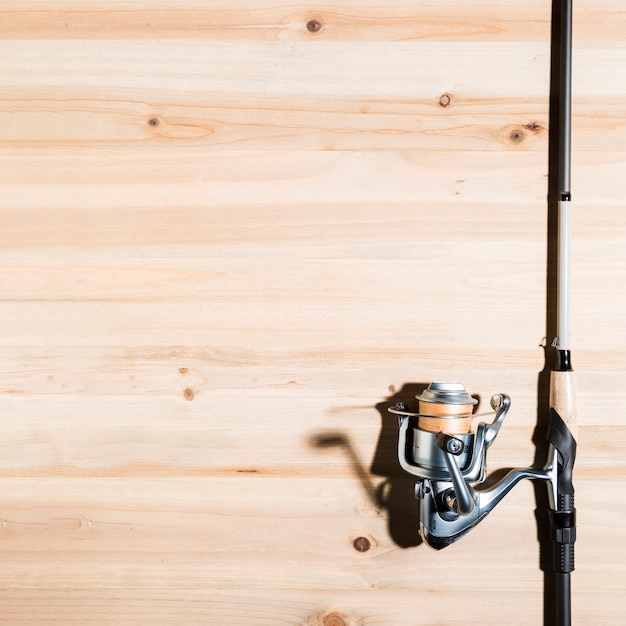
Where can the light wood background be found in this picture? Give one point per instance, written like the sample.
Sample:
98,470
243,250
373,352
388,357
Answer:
227,243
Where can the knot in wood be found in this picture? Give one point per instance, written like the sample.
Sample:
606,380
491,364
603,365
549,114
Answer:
314,26
334,620
516,135
445,100
362,544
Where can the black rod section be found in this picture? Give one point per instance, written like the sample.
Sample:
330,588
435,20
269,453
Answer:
565,101
563,591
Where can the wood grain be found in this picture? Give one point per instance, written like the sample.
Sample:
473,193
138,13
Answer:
228,241
268,21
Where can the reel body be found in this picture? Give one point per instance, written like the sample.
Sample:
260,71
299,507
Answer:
451,467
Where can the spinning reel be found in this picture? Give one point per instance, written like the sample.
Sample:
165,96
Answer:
450,462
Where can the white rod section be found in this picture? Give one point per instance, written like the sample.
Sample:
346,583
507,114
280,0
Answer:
563,276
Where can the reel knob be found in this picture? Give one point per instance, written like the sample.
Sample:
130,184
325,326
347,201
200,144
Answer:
449,443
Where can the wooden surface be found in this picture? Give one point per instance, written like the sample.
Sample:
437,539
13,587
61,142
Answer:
227,243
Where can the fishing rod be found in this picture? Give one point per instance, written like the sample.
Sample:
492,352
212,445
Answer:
563,387
437,445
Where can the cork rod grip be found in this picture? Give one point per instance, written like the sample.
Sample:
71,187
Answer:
564,397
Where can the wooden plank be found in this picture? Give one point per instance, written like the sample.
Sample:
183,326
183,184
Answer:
183,412
265,21
439,120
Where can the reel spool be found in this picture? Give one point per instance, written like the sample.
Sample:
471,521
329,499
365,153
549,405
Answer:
445,407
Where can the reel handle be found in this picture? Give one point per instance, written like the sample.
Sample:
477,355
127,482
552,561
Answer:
463,493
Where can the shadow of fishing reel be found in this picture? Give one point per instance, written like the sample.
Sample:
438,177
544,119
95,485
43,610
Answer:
450,462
